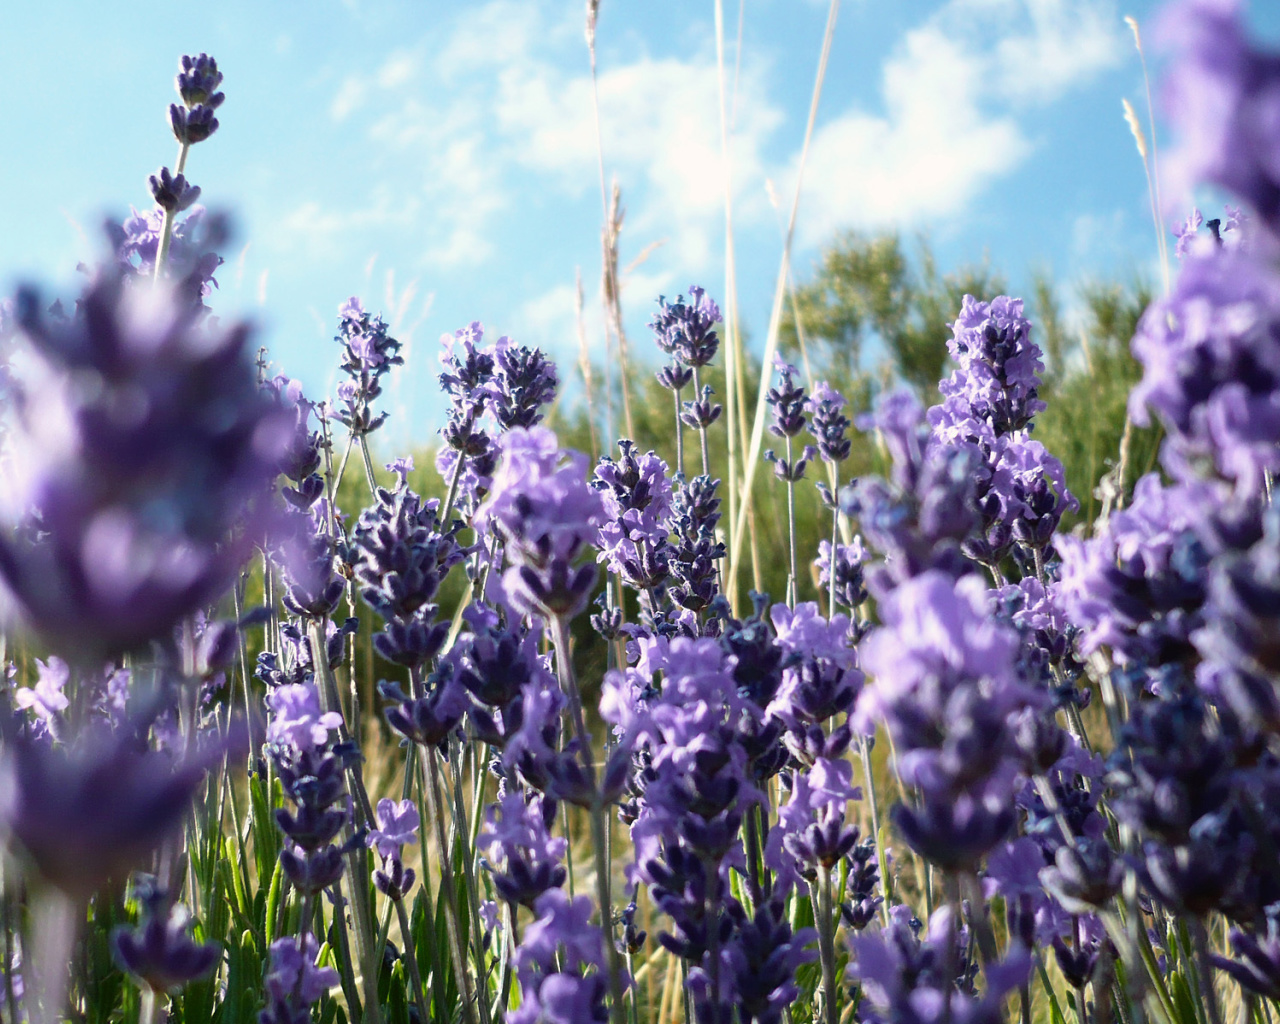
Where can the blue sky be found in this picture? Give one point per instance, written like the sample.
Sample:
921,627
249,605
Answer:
440,160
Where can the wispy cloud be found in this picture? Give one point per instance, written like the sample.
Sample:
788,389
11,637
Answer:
956,93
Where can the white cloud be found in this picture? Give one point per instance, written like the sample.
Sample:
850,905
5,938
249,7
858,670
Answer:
953,92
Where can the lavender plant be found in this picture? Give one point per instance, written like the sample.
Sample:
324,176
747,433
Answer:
721,781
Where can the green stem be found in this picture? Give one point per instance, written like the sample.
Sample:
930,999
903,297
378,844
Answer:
826,943
453,927
791,531
1208,995
564,672
411,959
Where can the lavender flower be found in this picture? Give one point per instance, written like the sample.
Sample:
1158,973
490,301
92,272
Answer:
828,422
82,814
906,980
197,83
172,192
400,554
695,511
398,826
523,858
545,514
997,364
1211,369
142,450
368,353
293,981
637,504
1221,94
850,585
524,380
160,951
685,330
561,965
944,686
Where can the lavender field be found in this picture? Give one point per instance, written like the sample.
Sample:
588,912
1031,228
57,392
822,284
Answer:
914,659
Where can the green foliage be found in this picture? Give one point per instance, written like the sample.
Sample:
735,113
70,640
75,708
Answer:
867,293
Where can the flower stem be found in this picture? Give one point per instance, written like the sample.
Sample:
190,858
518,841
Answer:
791,531
568,682
411,959
431,784
826,943
56,918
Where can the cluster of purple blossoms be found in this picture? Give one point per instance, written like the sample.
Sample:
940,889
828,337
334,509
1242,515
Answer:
787,405
160,951
468,450
197,85
398,823
400,553
1210,353
522,857
919,518
945,685
311,771
634,540
685,331
368,353
141,451
909,980
495,661
1221,93
561,964
828,423
293,981
545,514
989,402
696,792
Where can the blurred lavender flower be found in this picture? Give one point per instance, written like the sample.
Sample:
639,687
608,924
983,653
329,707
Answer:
944,686
1258,970
142,451
293,982
561,965
160,951
919,518
304,553
543,510
79,815
1222,92
905,980
1137,585
1211,369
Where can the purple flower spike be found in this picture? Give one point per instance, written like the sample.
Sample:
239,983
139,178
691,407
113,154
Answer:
1210,353
829,423
143,450
524,380
685,330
